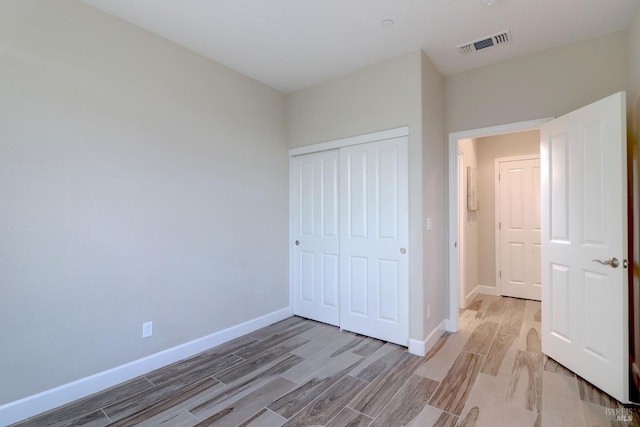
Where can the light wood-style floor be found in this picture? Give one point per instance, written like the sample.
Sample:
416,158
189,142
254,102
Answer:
299,373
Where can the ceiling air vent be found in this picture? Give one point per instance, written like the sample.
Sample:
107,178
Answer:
487,42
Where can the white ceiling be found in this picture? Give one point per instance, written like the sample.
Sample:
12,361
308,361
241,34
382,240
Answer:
292,44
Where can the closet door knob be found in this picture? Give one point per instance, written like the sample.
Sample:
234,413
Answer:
297,242
403,251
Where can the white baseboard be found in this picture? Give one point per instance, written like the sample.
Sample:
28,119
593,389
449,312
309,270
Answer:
49,399
421,347
480,289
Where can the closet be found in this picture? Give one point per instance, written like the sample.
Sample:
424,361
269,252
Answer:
349,226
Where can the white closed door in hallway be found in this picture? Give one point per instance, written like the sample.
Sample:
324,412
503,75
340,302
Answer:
315,230
519,227
584,244
374,292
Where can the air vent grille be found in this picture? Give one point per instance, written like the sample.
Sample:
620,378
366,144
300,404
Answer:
487,42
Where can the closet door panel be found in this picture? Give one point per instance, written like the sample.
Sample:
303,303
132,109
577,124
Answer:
315,250
374,237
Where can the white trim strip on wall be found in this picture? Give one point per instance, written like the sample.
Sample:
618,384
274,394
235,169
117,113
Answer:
353,140
32,405
422,347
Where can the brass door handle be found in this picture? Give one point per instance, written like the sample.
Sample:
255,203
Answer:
613,262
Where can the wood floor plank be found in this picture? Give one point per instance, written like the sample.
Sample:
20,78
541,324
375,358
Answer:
254,349
533,341
437,365
292,402
427,417
525,386
248,384
446,420
506,335
353,342
89,405
488,392
177,418
551,365
368,347
488,307
94,419
378,393
470,418
437,346
154,403
495,310
279,327
407,403
374,370
256,362
314,366
323,344
530,309
325,407
231,346
560,392
480,340
454,389
592,394
198,367
264,418
350,418
245,408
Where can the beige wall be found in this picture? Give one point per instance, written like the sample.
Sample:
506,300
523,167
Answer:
489,149
545,84
434,201
131,172
383,96
470,227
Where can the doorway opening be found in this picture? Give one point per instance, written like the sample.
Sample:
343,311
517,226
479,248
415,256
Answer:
472,202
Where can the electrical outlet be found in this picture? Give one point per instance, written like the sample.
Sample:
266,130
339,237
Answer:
427,224
147,329
428,311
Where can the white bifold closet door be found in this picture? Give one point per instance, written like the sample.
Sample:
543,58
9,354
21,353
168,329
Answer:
350,231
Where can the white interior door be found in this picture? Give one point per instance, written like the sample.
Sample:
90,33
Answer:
374,284
315,231
584,200
519,227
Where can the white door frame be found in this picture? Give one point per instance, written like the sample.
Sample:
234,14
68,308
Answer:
454,137
496,183
462,301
